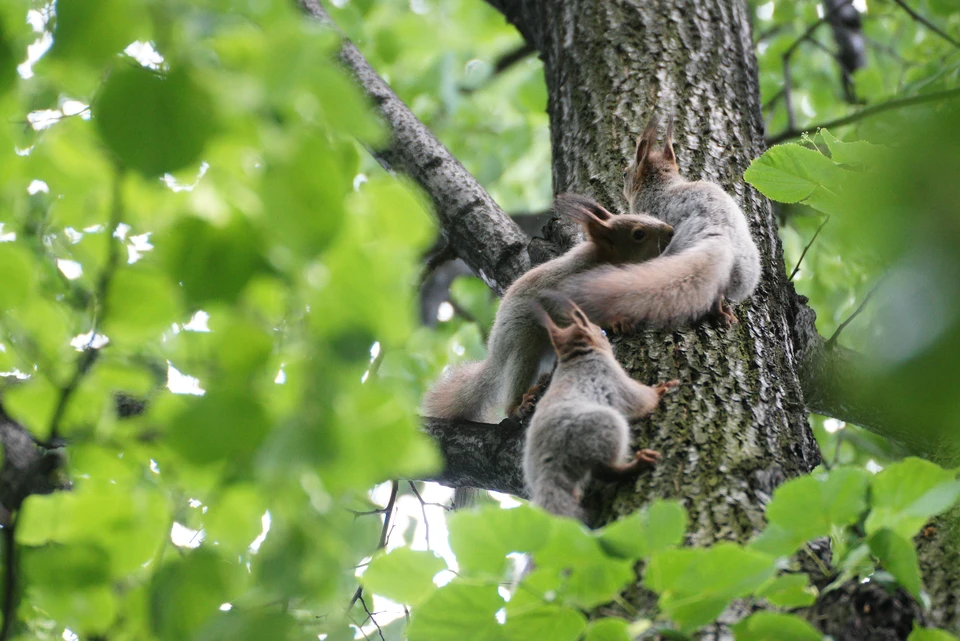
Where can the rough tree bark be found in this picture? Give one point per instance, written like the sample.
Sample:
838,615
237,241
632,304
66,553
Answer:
738,426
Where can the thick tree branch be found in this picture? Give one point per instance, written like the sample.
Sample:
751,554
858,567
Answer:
522,15
479,455
480,232
833,381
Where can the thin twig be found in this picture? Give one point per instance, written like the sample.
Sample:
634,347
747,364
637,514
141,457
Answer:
89,355
866,299
423,511
788,54
824,48
929,25
502,64
443,254
370,616
807,248
387,513
10,578
773,100
787,90
866,112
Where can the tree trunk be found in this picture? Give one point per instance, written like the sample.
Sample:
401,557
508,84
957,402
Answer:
738,425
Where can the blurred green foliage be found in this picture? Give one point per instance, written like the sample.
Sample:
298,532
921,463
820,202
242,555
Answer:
187,180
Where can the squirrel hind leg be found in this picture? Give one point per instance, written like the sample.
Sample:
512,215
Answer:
528,404
618,471
724,312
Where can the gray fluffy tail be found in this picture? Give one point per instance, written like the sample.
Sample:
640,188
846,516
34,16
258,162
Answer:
556,496
466,392
670,290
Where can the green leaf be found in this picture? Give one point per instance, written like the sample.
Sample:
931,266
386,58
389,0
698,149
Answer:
19,275
554,622
791,173
654,528
212,262
8,62
481,539
458,611
696,584
789,591
153,123
221,425
66,567
140,305
899,558
95,31
573,559
32,404
89,611
303,193
403,575
908,493
251,626
860,152
771,626
809,506
234,519
188,592
930,634
607,629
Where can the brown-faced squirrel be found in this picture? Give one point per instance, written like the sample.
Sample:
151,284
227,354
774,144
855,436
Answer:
712,257
518,344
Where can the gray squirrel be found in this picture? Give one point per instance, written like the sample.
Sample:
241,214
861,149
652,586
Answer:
712,257
518,343
580,426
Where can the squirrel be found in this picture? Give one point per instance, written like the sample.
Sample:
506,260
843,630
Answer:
711,259
518,343
580,425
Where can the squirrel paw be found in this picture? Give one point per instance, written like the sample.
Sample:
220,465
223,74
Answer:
648,457
725,313
529,401
621,327
663,388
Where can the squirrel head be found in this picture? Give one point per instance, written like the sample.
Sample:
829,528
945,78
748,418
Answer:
579,338
630,238
650,166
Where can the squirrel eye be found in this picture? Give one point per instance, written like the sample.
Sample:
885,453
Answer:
639,234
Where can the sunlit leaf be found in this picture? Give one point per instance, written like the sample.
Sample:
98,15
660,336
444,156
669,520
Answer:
403,575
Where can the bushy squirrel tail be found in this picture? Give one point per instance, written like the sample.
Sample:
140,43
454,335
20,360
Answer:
667,291
556,496
467,392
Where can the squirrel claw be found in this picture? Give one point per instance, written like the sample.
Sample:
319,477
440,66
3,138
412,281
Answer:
621,327
663,388
648,457
725,313
528,404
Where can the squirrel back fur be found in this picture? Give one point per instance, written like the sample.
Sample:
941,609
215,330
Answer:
581,423
519,347
712,256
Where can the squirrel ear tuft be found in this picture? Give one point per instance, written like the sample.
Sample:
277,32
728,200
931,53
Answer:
647,139
668,142
589,213
577,314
